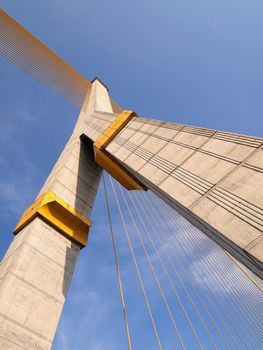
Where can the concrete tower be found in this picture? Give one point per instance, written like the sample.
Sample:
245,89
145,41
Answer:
213,178
36,270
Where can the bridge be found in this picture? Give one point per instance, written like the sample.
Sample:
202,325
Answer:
184,207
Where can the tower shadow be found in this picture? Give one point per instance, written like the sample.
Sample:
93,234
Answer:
88,179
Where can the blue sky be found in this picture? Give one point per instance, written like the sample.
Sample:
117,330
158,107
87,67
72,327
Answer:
196,62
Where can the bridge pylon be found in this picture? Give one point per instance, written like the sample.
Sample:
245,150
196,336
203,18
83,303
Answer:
36,270
212,178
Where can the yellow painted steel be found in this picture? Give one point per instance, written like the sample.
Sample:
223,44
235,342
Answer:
112,131
107,162
60,215
117,171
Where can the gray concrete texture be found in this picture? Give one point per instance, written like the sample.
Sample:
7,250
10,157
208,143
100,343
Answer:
36,271
35,275
213,177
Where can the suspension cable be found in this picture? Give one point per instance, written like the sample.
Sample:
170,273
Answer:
173,287
189,262
160,231
23,49
186,275
244,271
219,284
152,268
137,267
117,266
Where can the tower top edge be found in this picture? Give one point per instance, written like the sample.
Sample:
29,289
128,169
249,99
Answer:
100,81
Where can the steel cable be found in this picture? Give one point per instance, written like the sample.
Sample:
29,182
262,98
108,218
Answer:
186,275
240,307
156,212
151,209
217,281
27,52
117,266
153,270
219,284
137,267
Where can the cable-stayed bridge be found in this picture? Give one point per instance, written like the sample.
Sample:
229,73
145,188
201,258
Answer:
184,205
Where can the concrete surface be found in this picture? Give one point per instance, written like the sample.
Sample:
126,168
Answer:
36,271
214,178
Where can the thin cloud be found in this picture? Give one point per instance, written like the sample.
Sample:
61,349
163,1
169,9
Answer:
13,123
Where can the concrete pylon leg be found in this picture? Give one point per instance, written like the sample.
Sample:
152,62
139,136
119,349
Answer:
35,276
36,270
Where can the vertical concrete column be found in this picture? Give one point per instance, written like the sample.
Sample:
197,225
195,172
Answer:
36,270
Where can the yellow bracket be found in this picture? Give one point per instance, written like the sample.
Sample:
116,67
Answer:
60,215
110,164
113,130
